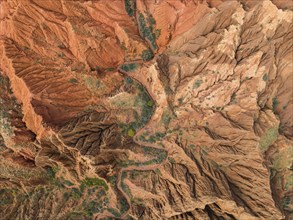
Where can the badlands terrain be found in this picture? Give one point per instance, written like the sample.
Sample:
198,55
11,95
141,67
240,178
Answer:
146,109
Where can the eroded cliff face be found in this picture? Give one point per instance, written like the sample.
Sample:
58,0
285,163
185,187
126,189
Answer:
146,109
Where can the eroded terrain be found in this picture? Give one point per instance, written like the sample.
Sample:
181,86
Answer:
137,109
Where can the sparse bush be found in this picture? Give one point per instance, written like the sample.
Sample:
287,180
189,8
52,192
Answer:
67,183
75,193
153,138
160,156
147,55
146,106
51,172
89,182
76,215
150,103
275,104
110,69
130,7
287,202
73,80
131,132
157,33
157,171
114,212
268,138
129,67
147,30
197,84
128,80
123,205
93,207
166,117
171,160
233,96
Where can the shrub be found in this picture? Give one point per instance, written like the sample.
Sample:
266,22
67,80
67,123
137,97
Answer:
114,212
128,80
89,182
233,96
275,104
51,172
123,205
150,103
147,30
287,202
197,84
73,80
166,117
131,132
92,207
130,7
129,67
75,193
268,138
157,33
147,55
110,69
67,183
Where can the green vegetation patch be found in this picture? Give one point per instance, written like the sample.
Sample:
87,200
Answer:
160,156
289,182
67,183
268,138
130,7
166,117
147,55
197,84
123,205
126,188
93,207
6,196
287,203
99,69
145,104
171,160
94,202
129,67
73,81
275,104
265,77
157,33
89,182
152,138
75,193
131,132
146,29
128,80
51,172
76,215
233,96
114,212
109,69
92,83
150,103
